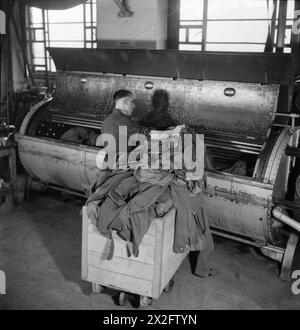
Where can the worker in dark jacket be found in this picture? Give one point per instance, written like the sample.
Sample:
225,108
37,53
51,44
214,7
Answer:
122,116
120,126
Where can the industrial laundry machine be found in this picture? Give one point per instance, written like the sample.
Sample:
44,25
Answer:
241,102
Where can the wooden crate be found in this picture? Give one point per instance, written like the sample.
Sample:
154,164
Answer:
148,274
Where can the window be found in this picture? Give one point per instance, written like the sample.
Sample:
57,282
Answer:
192,24
74,27
232,25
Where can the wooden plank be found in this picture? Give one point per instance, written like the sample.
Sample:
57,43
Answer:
163,228
170,260
119,281
92,227
120,265
147,239
150,232
169,237
157,259
99,243
84,247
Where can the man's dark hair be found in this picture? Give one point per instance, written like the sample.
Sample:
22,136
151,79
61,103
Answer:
120,94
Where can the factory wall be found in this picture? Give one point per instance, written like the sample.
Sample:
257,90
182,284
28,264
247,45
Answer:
146,28
12,65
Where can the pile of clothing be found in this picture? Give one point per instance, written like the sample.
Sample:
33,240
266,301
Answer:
80,135
128,200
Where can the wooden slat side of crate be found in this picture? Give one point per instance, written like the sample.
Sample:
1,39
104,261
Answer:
146,274
170,260
131,274
159,232
166,261
84,244
146,252
92,228
119,281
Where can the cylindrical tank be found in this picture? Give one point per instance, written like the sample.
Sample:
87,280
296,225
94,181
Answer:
237,205
221,96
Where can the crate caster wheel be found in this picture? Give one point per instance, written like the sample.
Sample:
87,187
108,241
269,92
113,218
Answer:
168,288
97,288
145,301
122,298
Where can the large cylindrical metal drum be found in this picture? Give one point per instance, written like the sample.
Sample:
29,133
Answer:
234,117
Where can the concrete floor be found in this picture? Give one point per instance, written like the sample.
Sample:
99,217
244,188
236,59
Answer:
40,251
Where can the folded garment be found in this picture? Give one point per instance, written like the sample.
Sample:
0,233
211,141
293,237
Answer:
133,217
155,177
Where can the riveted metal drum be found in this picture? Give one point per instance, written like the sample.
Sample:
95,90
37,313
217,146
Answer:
232,98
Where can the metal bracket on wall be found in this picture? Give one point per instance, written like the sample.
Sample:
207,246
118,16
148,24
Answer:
124,8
